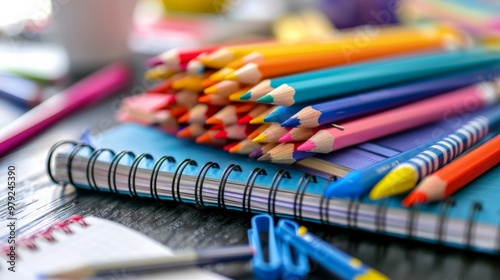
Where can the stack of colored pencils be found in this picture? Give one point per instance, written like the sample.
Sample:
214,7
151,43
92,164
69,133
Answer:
283,101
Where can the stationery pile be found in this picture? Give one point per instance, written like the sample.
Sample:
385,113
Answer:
287,102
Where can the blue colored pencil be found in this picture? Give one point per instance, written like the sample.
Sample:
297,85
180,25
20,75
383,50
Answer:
381,99
360,182
334,85
268,85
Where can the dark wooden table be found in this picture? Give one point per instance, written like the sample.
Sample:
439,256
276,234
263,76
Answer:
182,227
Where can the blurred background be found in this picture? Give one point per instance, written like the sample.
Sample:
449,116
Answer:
45,43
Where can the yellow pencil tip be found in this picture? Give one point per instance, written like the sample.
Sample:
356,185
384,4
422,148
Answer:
231,76
261,138
257,120
210,90
371,274
401,179
302,230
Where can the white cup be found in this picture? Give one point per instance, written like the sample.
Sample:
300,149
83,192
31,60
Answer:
93,32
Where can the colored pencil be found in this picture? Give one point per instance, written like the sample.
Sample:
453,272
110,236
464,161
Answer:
217,76
218,126
195,67
160,117
235,97
159,72
244,147
175,57
268,85
228,147
427,38
457,174
381,99
224,88
263,149
299,134
214,99
186,97
189,82
178,111
255,112
191,131
401,118
406,175
199,114
260,118
285,153
254,72
283,113
209,138
403,71
235,132
258,131
274,132
227,115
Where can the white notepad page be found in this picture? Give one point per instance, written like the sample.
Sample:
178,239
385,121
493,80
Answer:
101,240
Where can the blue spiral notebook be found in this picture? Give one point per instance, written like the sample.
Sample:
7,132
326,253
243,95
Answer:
141,161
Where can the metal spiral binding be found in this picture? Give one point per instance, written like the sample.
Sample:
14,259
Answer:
278,176
112,169
411,222
154,175
28,242
176,181
476,207
72,156
249,186
51,153
91,164
133,172
301,188
322,201
222,185
381,216
352,217
200,178
450,202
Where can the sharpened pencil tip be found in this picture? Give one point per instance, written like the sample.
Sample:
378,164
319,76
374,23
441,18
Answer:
245,119
210,90
307,146
221,135
266,99
265,157
208,82
285,138
415,197
231,76
261,138
291,122
246,96
213,120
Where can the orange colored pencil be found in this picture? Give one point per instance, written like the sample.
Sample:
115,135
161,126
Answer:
209,138
252,73
244,147
258,131
191,131
457,174
214,99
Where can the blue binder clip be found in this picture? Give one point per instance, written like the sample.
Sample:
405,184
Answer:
295,262
275,258
266,260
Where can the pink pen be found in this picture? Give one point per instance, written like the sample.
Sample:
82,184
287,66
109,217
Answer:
91,89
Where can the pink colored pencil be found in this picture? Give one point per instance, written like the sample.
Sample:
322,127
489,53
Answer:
404,117
89,90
